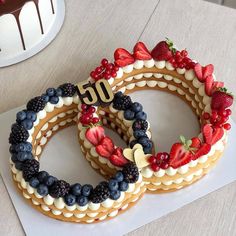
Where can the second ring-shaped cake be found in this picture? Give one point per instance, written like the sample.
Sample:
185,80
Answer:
164,69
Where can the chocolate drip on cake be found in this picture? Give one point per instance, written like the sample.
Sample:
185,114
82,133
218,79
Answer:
14,7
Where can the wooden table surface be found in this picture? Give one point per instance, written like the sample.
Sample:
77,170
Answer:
93,30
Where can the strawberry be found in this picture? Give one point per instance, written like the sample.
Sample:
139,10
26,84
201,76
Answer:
95,134
203,72
217,135
208,85
141,52
216,85
117,158
163,51
105,147
196,142
207,132
123,57
221,99
203,150
181,153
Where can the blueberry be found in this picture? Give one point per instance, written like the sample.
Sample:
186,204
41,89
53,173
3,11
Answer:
42,189
136,107
119,176
76,189
132,143
20,147
21,115
14,157
82,200
34,182
49,180
50,92
27,124
129,115
113,184
58,92
141,115
147,150
114,195
18,165
42,175
12,149
45,98
123,186
28,147
54,100
70,200
31,115
143,141
119,94
23,156
86,190
139,133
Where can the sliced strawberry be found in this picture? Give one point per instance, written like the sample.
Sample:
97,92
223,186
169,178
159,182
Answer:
198,72
208,85
141,52
95,134
217,135
196,142
207,70
203,150
117,158
123,57
202,72
105,147
207,132
216,85
179,156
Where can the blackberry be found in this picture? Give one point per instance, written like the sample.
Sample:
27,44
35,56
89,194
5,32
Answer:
18,134
131,173
36,104
68,89
122,102
140,125
30,168
100,193
59,189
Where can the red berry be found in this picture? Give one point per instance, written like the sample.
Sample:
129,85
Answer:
227,126
104,61
152,160
229,112
155,167
109,66
92,74
184,53
223,113
181,65
206,115
116,68
95,120
91,110
84,107
107,76
214,115
177,54
98,70
224,119
172,60
113,74
164,165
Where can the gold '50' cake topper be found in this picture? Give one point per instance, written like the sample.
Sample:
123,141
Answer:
98,94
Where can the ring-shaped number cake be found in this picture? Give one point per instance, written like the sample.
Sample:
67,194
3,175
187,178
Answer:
44,116
165,69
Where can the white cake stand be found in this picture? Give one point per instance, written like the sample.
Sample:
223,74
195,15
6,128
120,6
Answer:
44,41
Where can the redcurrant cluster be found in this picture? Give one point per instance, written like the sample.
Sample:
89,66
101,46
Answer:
161,160
218,118
181,60
87,115
106,70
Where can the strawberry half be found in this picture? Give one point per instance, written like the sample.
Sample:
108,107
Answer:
163,51
105,147
212,135
221,99
123,57
141,52
217,135
202,72
95,134
203,150
117,158
196,142
209,84
216,85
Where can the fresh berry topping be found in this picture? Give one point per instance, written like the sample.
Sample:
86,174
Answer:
221,99
163,51
196,142
136,107
27,124
206,116
59,189
208,85
141,52
113,184
42,190
70,199
212,134
140,125
131,173
50,180
36,104
51,92
23,156
132,143
141,115
76,189
122,102
95,134
123,186
123,57
227,126
155,167
203,72
119,176
180,153
86,190
31,115
42,175
82,200
54,99
203,150
68,90
105,147
23,147
129,115
18,134
34,182
100,193
20,116
117,158
139,133
115,194
30,169
161,160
